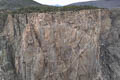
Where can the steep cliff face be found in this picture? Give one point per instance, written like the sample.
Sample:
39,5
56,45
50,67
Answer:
110,51
68,45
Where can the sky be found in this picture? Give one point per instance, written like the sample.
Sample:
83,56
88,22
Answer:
59,2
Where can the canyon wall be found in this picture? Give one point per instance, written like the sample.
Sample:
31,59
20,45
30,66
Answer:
82,45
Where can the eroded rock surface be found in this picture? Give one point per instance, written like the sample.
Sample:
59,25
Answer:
60,46
110,51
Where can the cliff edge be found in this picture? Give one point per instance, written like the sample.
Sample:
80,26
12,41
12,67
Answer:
79,45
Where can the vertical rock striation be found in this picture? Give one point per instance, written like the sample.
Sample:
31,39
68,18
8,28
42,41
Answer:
60,46
110,51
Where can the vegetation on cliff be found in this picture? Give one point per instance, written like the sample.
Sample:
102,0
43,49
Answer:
3,17
47,9
52,9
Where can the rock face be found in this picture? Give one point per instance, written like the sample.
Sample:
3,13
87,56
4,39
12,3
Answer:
110,52
82,45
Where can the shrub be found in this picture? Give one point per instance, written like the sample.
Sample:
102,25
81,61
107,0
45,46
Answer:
51,9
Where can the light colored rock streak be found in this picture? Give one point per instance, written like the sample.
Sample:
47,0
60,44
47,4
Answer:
57,45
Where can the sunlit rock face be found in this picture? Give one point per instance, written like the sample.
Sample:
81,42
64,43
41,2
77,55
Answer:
59,46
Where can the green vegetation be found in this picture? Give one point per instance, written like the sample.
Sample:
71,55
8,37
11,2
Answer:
52,9
3,18
15,4
45,9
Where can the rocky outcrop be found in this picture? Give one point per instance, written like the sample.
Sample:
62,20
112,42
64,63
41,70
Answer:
110,52
82,45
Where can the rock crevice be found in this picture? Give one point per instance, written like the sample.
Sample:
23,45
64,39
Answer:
59,46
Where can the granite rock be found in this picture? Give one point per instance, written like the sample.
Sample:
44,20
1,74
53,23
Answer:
82,45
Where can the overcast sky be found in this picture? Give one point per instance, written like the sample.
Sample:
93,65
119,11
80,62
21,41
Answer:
60,2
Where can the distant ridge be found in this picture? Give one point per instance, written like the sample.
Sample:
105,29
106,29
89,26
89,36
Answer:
101,3
14,4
